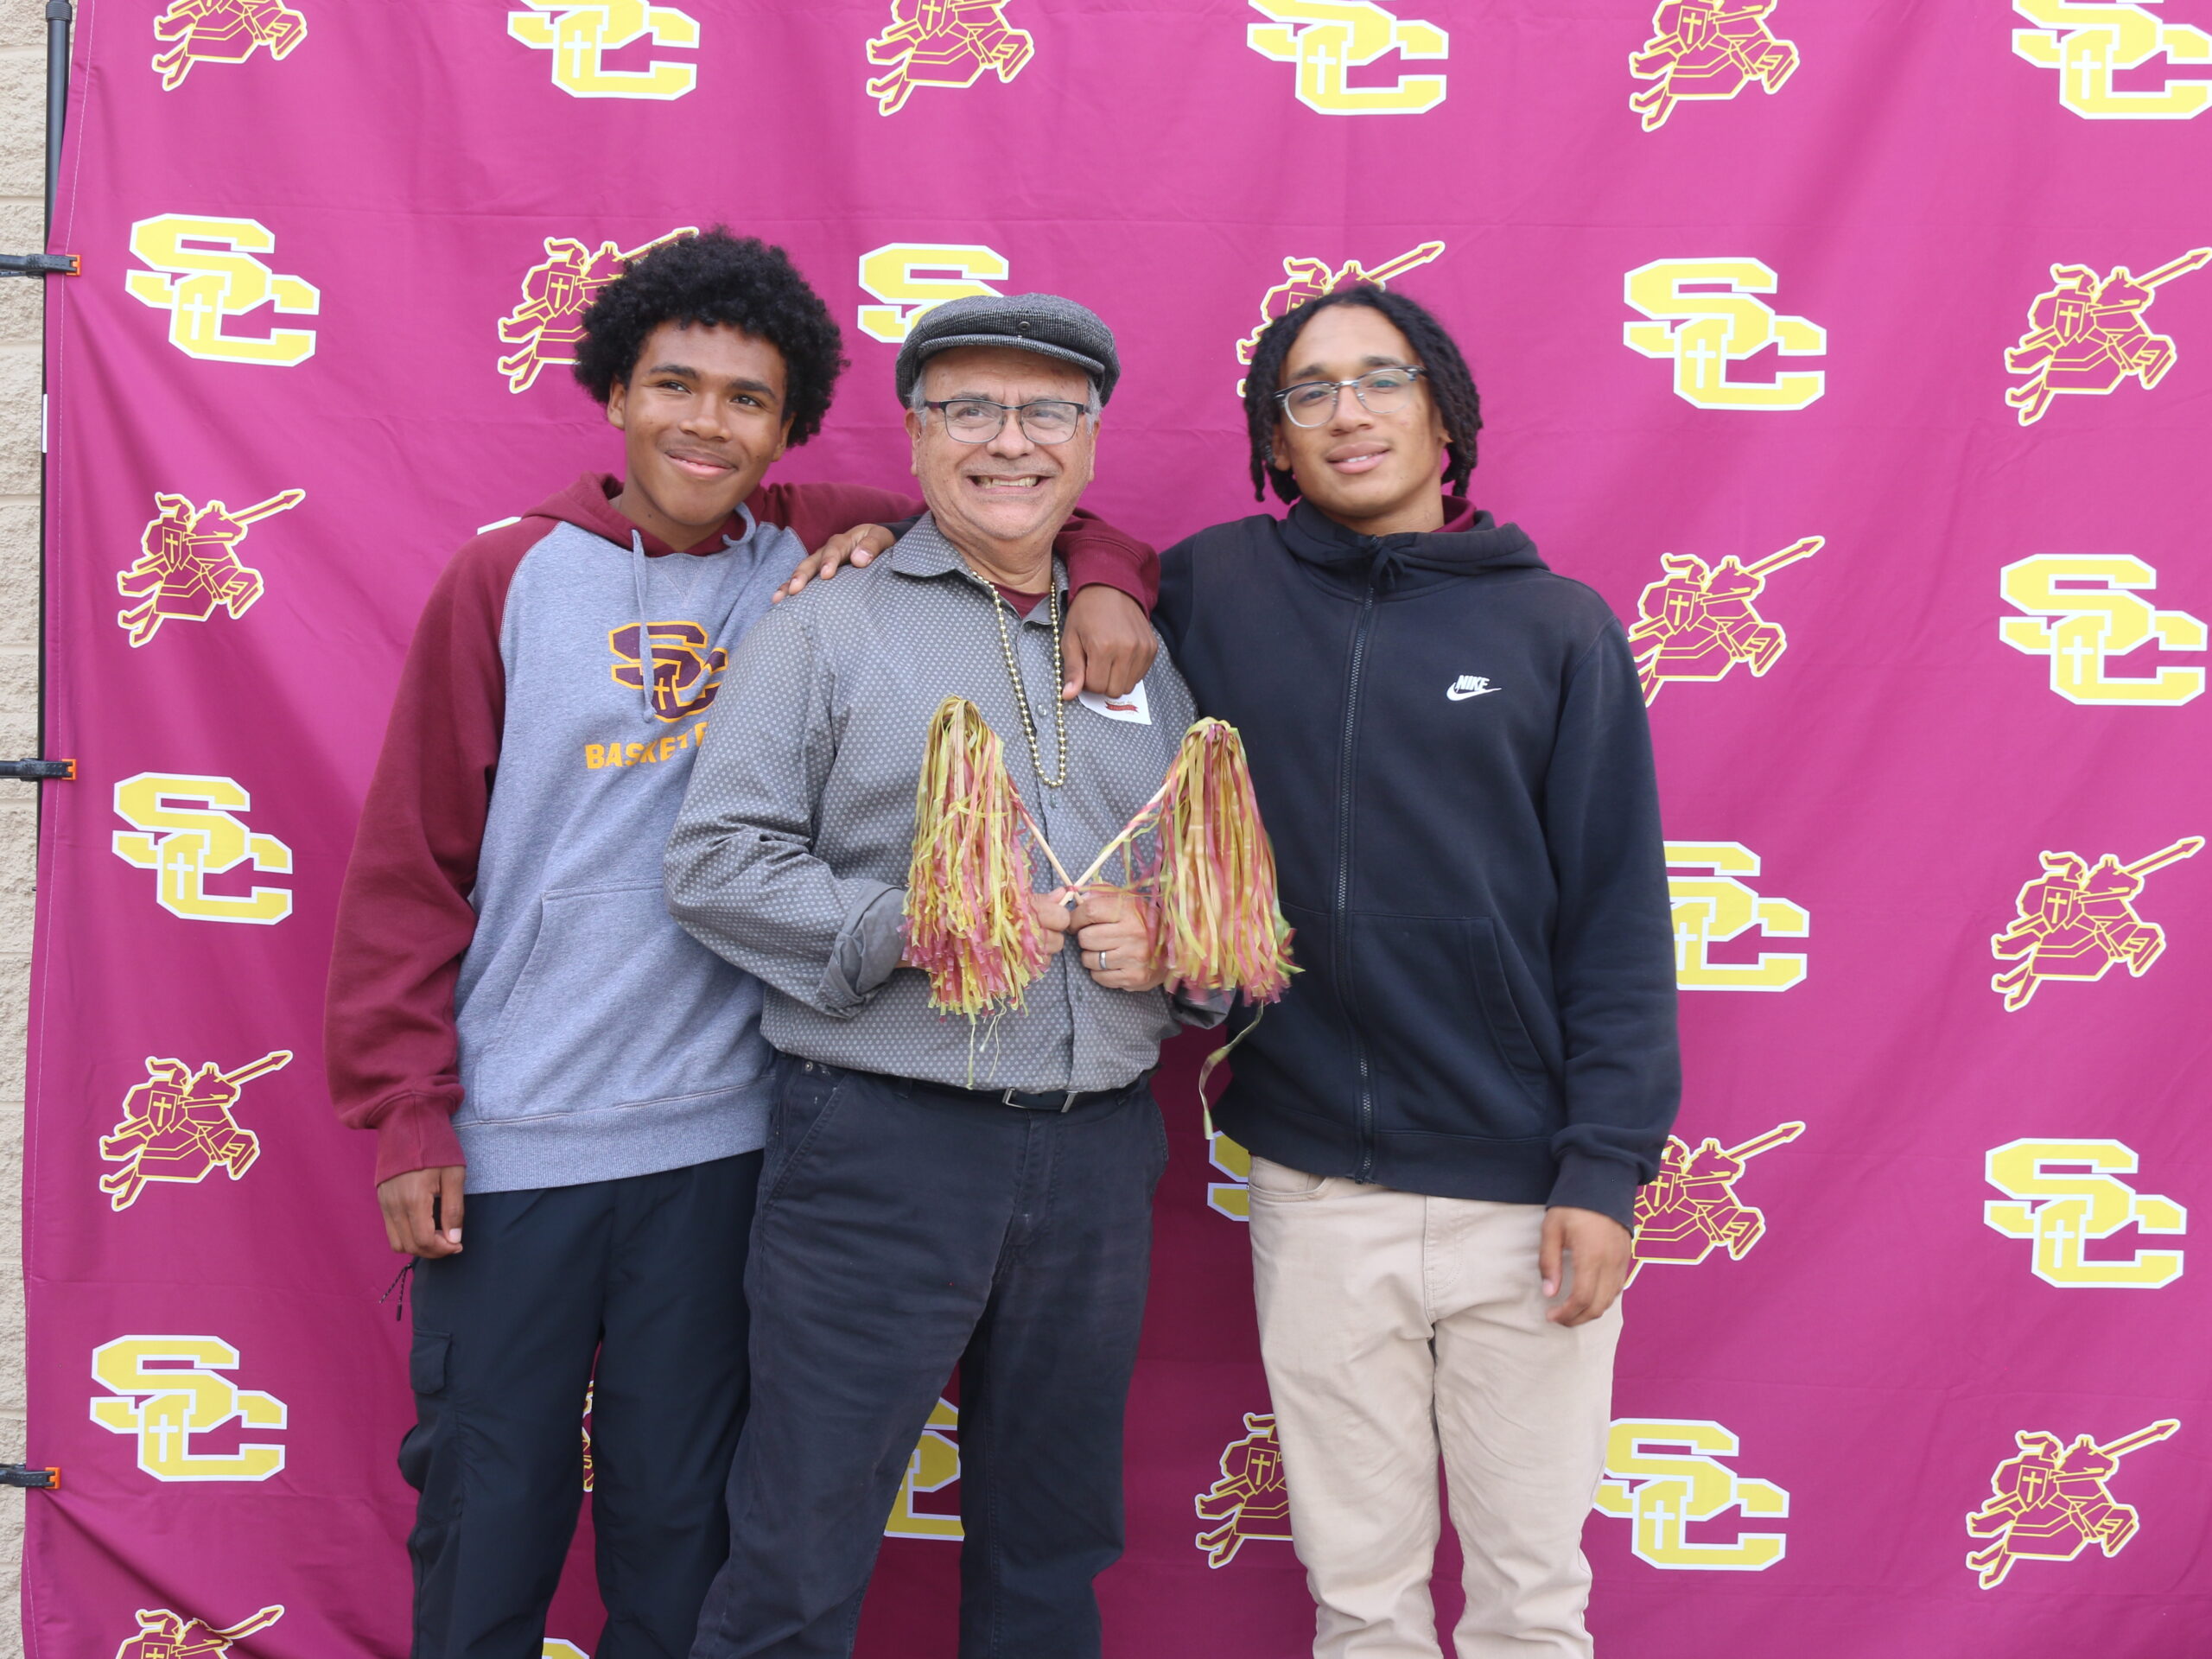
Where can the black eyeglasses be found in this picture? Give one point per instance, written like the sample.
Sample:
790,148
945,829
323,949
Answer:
978,420
1380,391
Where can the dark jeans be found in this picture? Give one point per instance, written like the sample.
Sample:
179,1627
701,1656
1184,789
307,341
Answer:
644,1275
901,1233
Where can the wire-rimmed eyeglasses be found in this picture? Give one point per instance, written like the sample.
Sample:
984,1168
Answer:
978,420
1380,391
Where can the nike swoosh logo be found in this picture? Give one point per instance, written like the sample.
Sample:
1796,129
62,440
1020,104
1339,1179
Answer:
1457,695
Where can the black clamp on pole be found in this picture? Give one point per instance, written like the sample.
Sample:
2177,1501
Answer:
25,1474
38,264
40,771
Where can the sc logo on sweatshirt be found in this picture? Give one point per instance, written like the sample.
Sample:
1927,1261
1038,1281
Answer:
687,667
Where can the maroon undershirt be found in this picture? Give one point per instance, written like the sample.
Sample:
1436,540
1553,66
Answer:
1022,603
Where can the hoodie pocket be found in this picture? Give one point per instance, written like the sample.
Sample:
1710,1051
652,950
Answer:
1451,1052
615,1004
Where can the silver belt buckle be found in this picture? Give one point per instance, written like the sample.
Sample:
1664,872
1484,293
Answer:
1068,1098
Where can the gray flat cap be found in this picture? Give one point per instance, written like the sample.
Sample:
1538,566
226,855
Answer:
1044,323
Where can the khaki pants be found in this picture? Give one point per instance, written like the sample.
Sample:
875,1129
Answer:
1396,1327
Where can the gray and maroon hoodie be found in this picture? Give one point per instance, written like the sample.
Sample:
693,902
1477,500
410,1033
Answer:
508,989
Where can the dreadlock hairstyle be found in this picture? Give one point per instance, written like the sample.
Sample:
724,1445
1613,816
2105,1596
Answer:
715,279
1446,378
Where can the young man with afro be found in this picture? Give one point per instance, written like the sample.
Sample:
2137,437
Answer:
1450,1112
515,1015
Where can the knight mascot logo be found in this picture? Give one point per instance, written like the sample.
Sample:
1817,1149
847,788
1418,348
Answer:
1706,49
1309,279
2051,1503
550,318
944,44
1663,1475
1327,39
2087,334
2089,599
1703,318
177,1127
687,667
1692,1210
2089,42
222,31
189,564
165,1391
2077,920
1697,621
579,33
166,1634
1251,1500
2065,1193
1713,907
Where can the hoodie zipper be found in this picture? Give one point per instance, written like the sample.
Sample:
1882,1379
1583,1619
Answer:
1366,1166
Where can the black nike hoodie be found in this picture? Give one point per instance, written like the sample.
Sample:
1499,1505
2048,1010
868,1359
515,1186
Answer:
1451,751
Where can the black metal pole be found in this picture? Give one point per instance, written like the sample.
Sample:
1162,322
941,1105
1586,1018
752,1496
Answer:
59,14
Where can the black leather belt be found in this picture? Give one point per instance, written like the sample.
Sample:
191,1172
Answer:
1050,1100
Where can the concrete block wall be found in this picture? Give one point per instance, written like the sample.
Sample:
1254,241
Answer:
22,186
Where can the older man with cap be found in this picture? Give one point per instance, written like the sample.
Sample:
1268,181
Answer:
937,1193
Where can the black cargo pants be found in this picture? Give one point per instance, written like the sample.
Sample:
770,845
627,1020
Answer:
643,1276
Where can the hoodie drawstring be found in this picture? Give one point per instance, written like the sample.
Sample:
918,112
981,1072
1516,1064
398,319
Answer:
647,670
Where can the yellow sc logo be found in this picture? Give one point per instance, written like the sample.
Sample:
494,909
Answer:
2085,41
932,1466
2065,1193
909,277
165,1389
2097,616
1326,38
1663,1474
1705,331
199,286
578,32
186,829
1711,907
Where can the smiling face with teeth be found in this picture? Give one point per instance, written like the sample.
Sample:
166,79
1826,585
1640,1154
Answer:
701,416
1001,503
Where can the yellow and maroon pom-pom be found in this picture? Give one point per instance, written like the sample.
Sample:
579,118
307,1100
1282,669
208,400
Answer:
968,920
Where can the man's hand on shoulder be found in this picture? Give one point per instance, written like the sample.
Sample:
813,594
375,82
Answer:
422,1211
1109,645
1600,1248
856,546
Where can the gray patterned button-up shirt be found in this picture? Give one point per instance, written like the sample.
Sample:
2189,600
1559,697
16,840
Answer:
790,856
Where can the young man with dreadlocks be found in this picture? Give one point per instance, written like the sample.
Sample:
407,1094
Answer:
515,1015
1451,1111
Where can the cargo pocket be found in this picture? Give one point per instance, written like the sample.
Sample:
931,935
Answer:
420,1448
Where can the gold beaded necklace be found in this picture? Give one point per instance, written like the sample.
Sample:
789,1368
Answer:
999,608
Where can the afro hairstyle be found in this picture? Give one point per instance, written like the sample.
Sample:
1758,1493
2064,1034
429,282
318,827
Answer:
714,279
1448,380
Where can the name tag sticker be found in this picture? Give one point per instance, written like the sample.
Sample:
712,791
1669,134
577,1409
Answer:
1132,708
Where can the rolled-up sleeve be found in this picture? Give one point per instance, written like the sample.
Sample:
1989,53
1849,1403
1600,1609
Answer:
740,868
